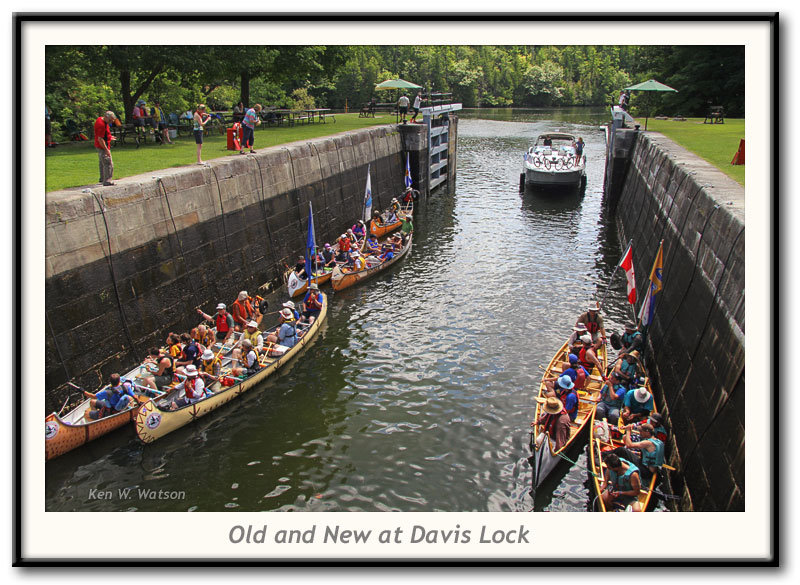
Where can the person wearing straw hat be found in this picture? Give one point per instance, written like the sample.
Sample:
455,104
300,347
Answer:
554,422
250,364
627,368
286,333
637,404
252,335
193,389
594,323
210,365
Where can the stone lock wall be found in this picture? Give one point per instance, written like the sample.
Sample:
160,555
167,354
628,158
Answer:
696,352
129,263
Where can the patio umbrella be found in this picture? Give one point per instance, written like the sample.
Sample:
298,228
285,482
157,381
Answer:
397,84
649,85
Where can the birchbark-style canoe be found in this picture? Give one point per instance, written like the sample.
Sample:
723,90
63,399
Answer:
154,419
66,432
343,278
602,444
546,457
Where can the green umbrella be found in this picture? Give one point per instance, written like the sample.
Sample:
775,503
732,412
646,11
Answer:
397,84
650,85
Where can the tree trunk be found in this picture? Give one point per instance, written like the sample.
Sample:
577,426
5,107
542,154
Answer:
127,98
245,95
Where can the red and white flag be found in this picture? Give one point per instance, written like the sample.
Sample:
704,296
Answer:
627,265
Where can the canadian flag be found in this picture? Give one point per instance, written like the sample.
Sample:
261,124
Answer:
627,265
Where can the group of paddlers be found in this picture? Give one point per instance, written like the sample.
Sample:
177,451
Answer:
624,404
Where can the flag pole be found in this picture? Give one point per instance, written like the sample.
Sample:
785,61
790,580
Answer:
611,280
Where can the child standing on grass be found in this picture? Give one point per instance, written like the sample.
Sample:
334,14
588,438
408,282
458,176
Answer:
200,120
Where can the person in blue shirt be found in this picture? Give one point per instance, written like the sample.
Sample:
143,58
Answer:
286,333
627,368
312,304
565,392
610,405
387,253
636,405
114,398
647,453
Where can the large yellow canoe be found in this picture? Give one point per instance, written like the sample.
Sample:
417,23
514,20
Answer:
343,278
154,419
545,457
600,446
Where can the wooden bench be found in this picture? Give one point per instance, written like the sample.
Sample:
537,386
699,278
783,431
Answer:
324,118
367,110
715,115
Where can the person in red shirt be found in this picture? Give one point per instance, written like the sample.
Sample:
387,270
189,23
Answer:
102,142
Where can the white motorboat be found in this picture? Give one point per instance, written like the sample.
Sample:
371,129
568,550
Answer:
552,162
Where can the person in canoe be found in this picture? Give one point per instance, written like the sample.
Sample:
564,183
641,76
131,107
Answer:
162,367
588,357
554,422
386,253
190,354
203,337
627,368
300,268
193,389
253,335
115,398
576,372
312,304
373,247
174,346
610,404
210,365
356,261
406,227
222,321
242,311
290,305
636,405
286,333
630,341
344,248
358,231
594,323
647,453
578,331
250,364
328,257
395,207
564,390
622,484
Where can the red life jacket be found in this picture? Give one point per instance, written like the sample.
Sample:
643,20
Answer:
222,323
580,380
188,387
592,326
344,244
582,357
241,311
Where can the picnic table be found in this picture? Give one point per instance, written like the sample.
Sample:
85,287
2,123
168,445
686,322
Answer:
291,117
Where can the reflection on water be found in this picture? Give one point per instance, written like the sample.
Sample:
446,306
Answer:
417,394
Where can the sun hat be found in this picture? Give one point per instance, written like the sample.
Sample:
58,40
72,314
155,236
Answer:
634,354
287,313
191,370
243,295
327,245
252,324
586,338
247,343
641,395
208,354
288,304
566,382
579,327
314,286
593,306
552,405
221,306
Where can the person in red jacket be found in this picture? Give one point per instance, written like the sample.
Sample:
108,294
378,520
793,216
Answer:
102,142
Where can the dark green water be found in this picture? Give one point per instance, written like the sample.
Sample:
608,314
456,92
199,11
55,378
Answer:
417,394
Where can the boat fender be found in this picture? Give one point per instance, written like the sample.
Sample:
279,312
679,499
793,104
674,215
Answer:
263,306
616,342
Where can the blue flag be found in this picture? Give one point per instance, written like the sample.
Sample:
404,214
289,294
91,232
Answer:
311,246
655,285
408,172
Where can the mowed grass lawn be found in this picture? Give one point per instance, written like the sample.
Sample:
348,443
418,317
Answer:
77,165
715,143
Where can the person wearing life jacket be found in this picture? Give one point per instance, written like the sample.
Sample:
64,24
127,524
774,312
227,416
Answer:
162,368
587,356
358,231
576,372
629,341
408,197
203,337
312,304
610,402
622,484
373,247
637,404
174,346
395,206
387,253
194,389
290,305
627,368
343,244
249,361
594,323
286,333
553,422
253,335
328,257
242,311
578,331
222,321
357,261
647,453
564,390
116,397
210,365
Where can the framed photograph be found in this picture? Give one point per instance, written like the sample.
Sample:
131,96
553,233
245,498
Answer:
547,175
